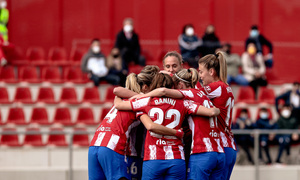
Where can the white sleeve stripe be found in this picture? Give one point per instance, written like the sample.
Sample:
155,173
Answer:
215,93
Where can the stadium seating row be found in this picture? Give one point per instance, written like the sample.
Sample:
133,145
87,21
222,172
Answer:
62,115
246,94
46,95
33,137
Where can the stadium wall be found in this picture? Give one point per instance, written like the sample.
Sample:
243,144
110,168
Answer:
71,24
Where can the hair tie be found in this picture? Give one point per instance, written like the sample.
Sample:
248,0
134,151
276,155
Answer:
217,55
189,70
181,78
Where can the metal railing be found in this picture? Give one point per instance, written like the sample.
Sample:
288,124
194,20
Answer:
256,133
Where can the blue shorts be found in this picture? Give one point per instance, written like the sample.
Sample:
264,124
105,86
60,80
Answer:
104,163
164,169
229,162
135,167
206,166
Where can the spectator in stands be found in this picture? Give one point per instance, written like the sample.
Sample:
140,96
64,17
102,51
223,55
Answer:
210,41
189,44
286,121
259,40
233,66
127,41
94,63
172,62
291,97
4,16
253,67
245,141
264,122
116,66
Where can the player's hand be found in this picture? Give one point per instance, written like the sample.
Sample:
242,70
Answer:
179,133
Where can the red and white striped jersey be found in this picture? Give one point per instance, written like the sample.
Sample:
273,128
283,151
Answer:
167,112
205,132
113,132
222,97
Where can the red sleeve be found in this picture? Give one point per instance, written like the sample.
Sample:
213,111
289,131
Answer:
139,104
191,106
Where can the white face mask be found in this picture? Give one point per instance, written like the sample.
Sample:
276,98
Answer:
3,4
189,31
96,49
264,115
286,113
128,28
254,33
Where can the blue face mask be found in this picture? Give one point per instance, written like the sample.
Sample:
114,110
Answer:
254,33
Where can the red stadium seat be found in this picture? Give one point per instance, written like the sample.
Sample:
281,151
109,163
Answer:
29,74
51,74
58,56
80,139
91,95
16,116
39,115
8,75
46,95
10,139
85,115
34,139
74,74
62,116
15,55
23,95
69,95
36,55
4,98
246,95
109,95
57,137
103,113
266,95
135,69
76,55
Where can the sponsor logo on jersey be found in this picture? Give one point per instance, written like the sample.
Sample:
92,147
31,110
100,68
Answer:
229,90
207,89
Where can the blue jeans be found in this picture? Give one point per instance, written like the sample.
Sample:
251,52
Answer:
239,79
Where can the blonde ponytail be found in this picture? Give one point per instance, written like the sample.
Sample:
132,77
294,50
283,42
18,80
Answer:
223,66
132,83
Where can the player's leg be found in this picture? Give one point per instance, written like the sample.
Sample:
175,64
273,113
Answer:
95,170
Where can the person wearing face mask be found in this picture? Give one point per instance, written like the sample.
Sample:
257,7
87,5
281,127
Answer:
264,122
253,67
94,63
127,41
243,121
189,44
259,40
286,121
233,62
4,16
116,66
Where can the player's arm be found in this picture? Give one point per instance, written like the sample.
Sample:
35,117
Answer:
204,111
123,92
122,105
160,129
159,92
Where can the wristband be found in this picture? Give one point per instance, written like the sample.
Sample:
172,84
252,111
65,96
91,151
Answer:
179,134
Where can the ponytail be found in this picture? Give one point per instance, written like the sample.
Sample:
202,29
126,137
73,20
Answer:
132,83
223,67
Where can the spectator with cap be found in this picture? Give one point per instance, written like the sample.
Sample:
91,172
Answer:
260,41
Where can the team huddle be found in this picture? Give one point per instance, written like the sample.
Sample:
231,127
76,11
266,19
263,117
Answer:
168,125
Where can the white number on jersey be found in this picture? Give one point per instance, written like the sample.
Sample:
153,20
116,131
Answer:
229,106
160,117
